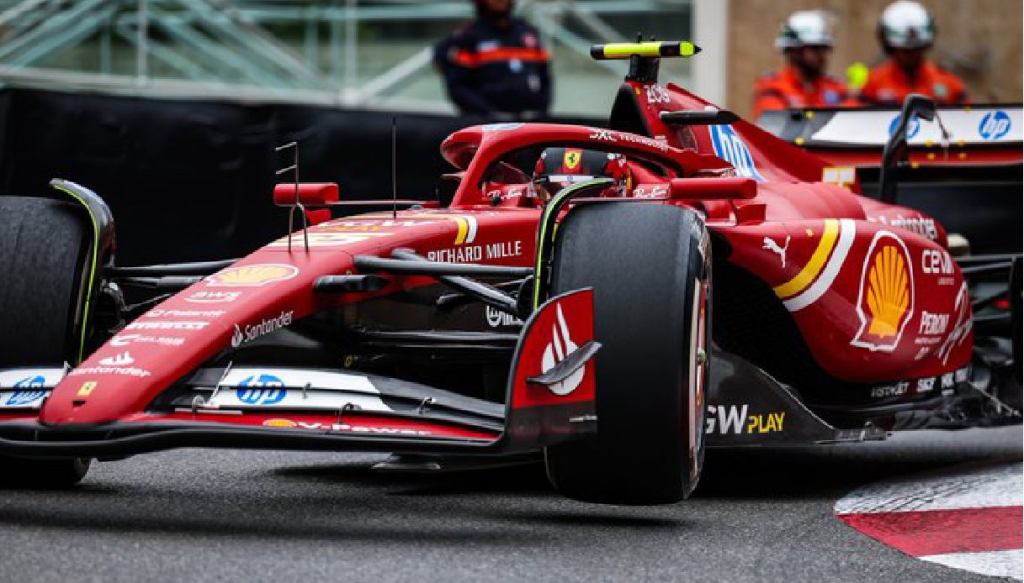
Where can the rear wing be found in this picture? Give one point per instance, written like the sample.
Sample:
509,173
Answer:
989,134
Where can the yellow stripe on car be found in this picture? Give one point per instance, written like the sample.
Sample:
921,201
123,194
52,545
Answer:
463,227
816,263
466,225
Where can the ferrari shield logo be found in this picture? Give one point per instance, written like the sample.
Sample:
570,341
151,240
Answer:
572,158
87,388
886,300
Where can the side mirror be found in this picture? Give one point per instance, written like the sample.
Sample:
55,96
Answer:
896,151
305,193
690,117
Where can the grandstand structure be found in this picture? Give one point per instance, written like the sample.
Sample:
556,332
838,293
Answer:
374,54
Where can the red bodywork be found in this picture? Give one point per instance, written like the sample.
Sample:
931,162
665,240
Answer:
871,287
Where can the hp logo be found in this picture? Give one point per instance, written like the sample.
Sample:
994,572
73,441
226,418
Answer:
264,389
729,147
912,128
994,125
23,397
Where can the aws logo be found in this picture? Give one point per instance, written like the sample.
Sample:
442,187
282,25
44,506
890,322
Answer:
886,300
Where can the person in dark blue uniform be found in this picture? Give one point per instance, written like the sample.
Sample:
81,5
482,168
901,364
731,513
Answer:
495,65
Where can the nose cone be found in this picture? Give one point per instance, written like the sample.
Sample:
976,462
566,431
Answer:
79,400
127,373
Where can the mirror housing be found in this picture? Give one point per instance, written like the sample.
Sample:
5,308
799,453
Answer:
691,117
307,194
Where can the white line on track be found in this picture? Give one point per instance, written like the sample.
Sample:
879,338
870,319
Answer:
967,488
995,563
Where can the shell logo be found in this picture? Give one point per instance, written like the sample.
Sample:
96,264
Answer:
886,301
888,292
280,423
256,275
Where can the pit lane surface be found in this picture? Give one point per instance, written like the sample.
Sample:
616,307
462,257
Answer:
198,515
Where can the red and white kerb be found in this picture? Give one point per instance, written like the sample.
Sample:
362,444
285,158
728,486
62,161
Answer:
971,519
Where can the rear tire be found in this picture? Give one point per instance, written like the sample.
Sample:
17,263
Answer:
43,250
650,269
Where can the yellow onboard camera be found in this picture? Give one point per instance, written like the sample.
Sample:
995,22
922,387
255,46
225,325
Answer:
649,49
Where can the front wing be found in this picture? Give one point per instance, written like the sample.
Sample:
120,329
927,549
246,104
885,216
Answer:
549,399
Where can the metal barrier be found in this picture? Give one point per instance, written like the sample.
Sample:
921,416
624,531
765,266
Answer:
353,53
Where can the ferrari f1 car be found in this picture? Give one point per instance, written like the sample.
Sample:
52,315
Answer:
617,299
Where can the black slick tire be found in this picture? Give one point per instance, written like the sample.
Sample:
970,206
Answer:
649,266
43,258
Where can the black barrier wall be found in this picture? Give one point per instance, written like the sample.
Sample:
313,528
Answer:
192,180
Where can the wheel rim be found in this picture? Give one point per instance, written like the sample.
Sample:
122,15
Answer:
699,358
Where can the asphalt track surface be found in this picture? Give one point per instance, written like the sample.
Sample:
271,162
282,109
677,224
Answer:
194,515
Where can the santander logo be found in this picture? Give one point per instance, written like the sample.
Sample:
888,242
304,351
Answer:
561,345
237,338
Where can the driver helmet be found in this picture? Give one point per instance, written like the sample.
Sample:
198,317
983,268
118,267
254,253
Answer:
558,168
906,25
805,28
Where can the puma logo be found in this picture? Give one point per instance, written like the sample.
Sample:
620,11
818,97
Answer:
771,245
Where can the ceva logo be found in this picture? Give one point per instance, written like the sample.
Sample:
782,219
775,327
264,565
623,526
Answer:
994,125
264,389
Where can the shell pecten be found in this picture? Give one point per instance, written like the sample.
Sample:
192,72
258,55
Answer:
888,294
252,275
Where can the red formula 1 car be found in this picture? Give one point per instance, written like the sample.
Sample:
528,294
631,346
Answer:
617,299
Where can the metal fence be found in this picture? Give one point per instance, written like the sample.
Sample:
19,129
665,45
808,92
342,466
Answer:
353,53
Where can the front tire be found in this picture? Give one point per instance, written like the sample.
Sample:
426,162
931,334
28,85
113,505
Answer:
44,474
650,269
43,249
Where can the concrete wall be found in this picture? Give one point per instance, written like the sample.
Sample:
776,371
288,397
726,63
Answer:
980,40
